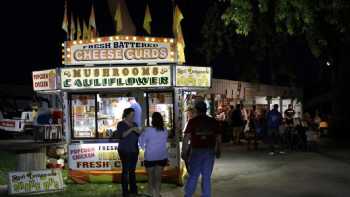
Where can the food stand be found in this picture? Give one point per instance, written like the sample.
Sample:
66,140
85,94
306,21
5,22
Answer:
99,78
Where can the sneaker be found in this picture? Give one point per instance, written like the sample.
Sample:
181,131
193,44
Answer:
271,153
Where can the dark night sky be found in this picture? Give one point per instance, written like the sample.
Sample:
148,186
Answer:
33,34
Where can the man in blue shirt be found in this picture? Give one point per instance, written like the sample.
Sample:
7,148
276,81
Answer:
138,111
274,120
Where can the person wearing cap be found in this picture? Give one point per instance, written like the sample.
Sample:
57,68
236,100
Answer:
205,138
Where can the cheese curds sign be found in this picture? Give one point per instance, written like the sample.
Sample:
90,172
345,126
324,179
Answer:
120,50
115,77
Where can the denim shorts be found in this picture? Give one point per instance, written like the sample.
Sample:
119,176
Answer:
162,163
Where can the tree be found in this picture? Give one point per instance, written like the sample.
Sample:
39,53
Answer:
323,24
258,54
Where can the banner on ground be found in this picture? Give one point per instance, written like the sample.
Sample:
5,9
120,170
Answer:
40,181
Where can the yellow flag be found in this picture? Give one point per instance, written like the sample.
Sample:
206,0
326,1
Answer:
118,18
78,29
123,22
92,23
72,27
86,33
180,42
65,20
147,20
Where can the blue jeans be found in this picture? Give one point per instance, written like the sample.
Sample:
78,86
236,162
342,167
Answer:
129,161
201,163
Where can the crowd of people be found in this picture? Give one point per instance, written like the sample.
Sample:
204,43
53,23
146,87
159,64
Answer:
287,132
202,139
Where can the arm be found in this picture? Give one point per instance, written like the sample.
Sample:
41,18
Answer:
143,140
185,146
123,130
186,141
127,132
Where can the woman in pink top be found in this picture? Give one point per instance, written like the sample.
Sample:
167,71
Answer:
153,140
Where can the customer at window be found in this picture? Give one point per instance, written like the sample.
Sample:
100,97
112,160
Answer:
128,150
153,140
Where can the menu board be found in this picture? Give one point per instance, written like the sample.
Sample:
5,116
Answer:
190,76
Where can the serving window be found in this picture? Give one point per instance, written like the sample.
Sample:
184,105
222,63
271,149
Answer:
95,116
83,108
110,111
162,102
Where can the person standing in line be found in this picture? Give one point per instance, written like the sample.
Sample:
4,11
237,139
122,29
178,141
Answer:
237,124
252,124
289,115
205,138
245,117
128,150
274,120
154,141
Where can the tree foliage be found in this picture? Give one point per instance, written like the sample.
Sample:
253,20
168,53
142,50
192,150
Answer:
310,18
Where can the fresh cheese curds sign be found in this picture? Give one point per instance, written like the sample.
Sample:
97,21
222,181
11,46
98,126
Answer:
115,77
119,50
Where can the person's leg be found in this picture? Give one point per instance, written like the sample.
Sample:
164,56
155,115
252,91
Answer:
194,164
132,175
150,180
233,135
158,180
125,170
270,139
237,133
206,171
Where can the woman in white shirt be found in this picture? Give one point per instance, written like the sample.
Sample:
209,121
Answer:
153,140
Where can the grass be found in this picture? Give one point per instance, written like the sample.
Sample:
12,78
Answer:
8,163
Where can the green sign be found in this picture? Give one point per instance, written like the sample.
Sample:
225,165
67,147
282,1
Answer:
35,181
115,77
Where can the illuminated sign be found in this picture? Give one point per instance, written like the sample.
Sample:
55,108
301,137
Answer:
104,156
119,50
115,77
44,80
190,76
35,181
